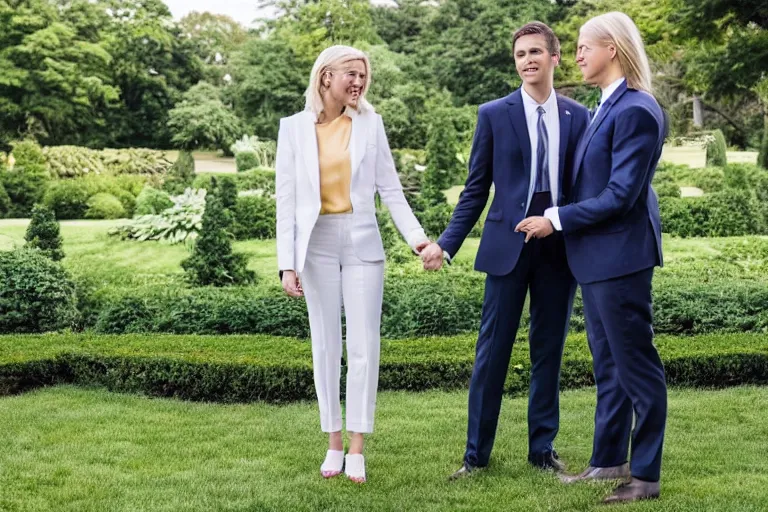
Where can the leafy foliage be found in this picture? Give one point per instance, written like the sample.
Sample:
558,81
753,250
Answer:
212,262
36,293
43,233
179,223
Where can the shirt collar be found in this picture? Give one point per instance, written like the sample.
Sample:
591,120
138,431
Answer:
533,104
610,90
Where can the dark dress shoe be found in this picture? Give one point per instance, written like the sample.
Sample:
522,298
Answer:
546,461
633,491
592,473
464,471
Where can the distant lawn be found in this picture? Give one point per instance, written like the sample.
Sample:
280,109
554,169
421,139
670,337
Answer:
697,157
122,263
69,449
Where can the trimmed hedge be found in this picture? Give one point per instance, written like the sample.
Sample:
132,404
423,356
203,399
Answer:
443,303
244,369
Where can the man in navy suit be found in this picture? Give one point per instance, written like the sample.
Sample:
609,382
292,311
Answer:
523,146
612,235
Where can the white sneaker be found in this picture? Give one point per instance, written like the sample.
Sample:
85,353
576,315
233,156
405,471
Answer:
333,463
354,467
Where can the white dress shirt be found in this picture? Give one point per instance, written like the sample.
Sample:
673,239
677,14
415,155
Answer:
552,213
552,122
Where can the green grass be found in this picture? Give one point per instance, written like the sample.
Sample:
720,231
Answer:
127,264
69,449
696,157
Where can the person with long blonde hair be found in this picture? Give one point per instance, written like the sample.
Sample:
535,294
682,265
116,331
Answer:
612,234
331,160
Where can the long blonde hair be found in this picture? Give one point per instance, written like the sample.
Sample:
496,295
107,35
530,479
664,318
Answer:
328,60
618,29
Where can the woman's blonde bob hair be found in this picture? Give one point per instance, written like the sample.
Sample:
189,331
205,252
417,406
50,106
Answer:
618,29
332,59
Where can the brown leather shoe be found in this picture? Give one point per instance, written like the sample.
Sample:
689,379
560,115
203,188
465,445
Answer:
592,474
633,491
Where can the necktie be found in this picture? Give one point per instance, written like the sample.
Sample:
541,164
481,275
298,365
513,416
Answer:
594,112
542,154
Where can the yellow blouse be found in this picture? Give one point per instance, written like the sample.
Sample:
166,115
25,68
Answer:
335,165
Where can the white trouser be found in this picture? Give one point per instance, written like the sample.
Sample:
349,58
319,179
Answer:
332,271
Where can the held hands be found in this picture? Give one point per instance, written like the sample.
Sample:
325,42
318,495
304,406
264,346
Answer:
432,256
292,284
535,227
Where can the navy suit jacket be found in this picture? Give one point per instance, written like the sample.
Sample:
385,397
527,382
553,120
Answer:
612,228
501,155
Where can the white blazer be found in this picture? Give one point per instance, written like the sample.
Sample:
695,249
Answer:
298,188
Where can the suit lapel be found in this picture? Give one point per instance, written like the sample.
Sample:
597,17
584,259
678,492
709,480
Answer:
601,115
565,131
357,139
516,113
308,144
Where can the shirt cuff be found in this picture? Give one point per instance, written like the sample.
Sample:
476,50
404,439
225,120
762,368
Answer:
447,257
554,217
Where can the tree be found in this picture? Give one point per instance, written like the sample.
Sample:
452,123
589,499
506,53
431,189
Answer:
152,65
43,232
181,175
467,46
201,120
53,71
268,83
310,27
442,147
212,262
215,38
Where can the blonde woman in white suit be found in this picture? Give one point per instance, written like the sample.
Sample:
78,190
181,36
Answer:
331,160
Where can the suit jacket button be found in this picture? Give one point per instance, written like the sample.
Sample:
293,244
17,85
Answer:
522,205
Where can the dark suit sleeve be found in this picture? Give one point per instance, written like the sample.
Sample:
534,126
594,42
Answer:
474,197
635,140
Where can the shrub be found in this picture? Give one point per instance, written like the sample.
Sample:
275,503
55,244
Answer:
152,201
104,206
28,152
177,224
139,161
762,157
731,212
667,189
181,175
443,168
435,219
36,293
5,200
716,148
246,160
255,217
43,233
69,198
73,161
25,187
212,370
264,150
212,261
708,179
738,176
676,217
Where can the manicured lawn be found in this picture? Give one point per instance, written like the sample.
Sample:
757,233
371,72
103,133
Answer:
123,263
697,157
69,449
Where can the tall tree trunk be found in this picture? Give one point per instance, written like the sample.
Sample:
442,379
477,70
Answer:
698,113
